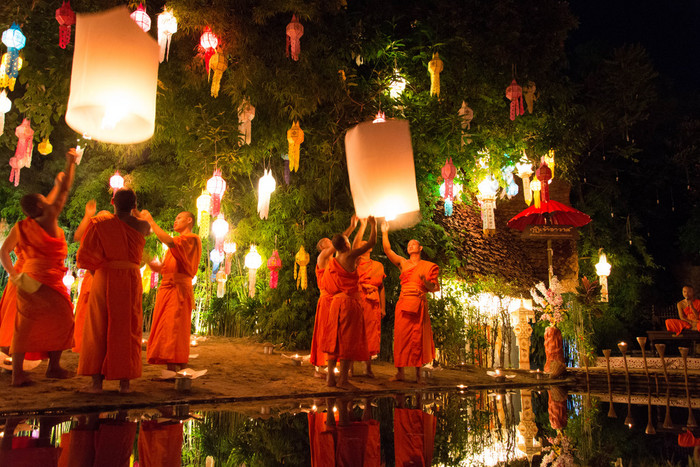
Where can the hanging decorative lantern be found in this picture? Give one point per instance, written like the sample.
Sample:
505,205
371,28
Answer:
544,175
229,250
266,186
381,172
146,278
216,257
66,18
5,80
246,114
220,283
216,186
448,172
549,160
23,153
380,118
274,264
511,187
529,94
456,190
397,85
434,68
209,42
141,18
116,182
602,268
487,196
536,187
524,170
15,41
295,136
45,147
219,228
203,205
301,259
5,106
287,173
218,64
167,26
294,32
114,79
466,115
252,261
204,225
68,280
154,279
514,93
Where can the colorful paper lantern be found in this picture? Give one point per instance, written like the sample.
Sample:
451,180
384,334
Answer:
5,80
544,175
252,261
23,152
266,186
66,18
218,64
219,228
294,32
274,264
524,170
68,280
5,106
536,187
229,250
217,257
295,136
448,172
45,147
602,268
205,219
449,202
216,186
145,278
381,172
114,79
246,114
435,66
15,41
511,187
514,93
209,42
141,18
203,205
301,260
487,196
167,26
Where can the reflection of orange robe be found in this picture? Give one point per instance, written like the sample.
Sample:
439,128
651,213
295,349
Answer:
318,357
169,340
372,454
414,435
44,321
160,444
352,442
81,310
413,336
322,440
677,325
112,333
27,452
344,333
371,284
112,444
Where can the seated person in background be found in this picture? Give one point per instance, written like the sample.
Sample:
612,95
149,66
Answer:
688,313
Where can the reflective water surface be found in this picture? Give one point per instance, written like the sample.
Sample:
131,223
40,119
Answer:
469,428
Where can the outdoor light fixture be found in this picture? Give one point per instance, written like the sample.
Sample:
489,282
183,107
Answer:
603,271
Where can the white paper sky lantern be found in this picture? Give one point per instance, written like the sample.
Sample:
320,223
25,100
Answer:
381,171
114,78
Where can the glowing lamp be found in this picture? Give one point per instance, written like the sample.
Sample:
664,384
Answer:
602,268
229,250
252,261
209,42
216,186
114,79
295,136
448,173
487,195
167,26
219,228
141,18
524,169
45,147
66,18
5,106
397,85
435,67
380,118
216,256
381,172
274,264
116,181
203,206
266,186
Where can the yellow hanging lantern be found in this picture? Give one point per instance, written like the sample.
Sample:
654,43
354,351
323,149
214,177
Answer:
205,219
434,68
549,160
536,187
45,147
203,205
301,259
146,278
218,64
295,136
6,81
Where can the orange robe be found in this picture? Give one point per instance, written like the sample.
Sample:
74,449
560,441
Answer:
687,440
160,444
44,321
169,340
371,284
113,325
414,436
318,357
677,326
413,336
322,440
81,311
344,333
111,444
27,452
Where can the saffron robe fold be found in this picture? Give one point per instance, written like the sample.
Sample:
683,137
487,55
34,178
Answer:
81,311
44,321
160,444
344,333
677,325
169,339
113,325
318,357
413,336
371,284
414,436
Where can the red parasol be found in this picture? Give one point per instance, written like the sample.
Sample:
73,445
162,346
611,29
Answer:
549,213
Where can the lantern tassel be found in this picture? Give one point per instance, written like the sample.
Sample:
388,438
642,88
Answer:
301,259
164,43
251,282
527,193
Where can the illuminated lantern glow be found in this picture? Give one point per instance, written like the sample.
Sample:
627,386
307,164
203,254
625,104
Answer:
167,26
266,186
536,187
449,202
45,147
549,160
114,79
294,32
602,268
204,224
295,136
154,279
448,173
219,228
5,106
514,93
23,152
216,257
381,172
116,182
301,260
15,41
229,250
68,280
487,196
217,64
203,205
252,261
209,42
216,186
141,18
274,264
435,67
524,170
221,283
146,278
246,114
544,175
66,18
530,96
511,186
466,115
5,80
380,118
397,85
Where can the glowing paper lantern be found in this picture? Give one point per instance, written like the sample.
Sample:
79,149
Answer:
381,172
216,186
295,136
246,114
487,196
23,152
203,205
114,77
544,175
5,106
456,190
448,172
146,278
116,181
274,264
218,64
5,80
221,283
514,93
266,186
252,261
141,18
511,186
216,257
45,147
66,18
397,85
209,42
524,170
294,32
536,187
219,228
602,268
435,66
205,219
15,41
301,260
167,26
68,280
229,250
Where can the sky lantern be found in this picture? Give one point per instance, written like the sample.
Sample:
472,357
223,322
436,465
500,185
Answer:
295,136
448,173
15,41
487,195
141,18
602,268
524,170
301,260
66,18
216,186
435,67
23,152
45,147
219,228
381,172
229,250
266,186
514,93
167,26
114,79
274,264
5,106
246,114
252,261
209,42
294,32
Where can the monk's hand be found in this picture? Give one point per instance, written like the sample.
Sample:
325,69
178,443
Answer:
59,178
353,221
363,222
372,221
385,227
90,208
71,156
146,216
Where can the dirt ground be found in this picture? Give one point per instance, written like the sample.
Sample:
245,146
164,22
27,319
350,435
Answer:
238,370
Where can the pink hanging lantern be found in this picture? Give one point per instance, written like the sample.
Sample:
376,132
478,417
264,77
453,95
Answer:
274,264
66,18
294,32
515,94
544,175
448,172
141,18
209,42
23,153
216,186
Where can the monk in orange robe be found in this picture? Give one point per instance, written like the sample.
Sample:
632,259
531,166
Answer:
413,336
160,444
44,320
112,248
688,313
414,436
169,340
344,334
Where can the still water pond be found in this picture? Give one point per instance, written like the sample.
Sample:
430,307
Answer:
467,428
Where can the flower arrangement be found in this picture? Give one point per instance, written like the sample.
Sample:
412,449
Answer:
549,302
560,452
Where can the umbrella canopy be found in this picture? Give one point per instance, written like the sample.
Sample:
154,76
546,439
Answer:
549,213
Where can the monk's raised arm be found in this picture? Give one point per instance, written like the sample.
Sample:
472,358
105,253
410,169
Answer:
51,197
8,245
393,257
360,233
357,252
90,208
353,224
66,183
162,235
